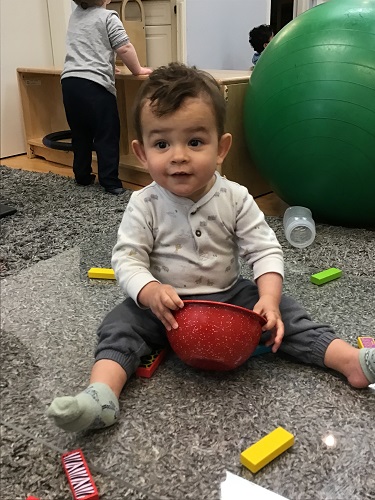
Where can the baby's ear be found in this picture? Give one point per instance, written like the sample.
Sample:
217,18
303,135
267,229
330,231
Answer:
225,143
139,151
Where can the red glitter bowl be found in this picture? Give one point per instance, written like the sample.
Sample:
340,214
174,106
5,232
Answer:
215,335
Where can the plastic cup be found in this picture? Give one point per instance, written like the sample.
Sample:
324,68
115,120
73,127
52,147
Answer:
299,226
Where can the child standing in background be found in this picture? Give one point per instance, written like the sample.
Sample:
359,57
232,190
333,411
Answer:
181,237
259,38
94,35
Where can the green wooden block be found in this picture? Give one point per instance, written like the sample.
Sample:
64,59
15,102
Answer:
325,276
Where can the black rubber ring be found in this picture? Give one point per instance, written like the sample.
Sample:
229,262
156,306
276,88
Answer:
53,140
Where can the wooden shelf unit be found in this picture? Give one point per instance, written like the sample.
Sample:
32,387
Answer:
43,113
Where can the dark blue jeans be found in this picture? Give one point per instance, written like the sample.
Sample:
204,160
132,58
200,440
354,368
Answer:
93,118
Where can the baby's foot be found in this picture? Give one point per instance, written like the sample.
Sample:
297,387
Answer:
94,408
363,373
367,361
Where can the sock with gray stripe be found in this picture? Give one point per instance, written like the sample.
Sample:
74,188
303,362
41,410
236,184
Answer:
94,408
367,361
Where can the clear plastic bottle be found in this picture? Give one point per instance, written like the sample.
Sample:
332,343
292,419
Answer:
299,226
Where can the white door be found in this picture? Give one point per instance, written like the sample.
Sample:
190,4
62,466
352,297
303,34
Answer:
300,6
25,42
158,45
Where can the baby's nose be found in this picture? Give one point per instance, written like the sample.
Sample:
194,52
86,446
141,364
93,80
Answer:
180,154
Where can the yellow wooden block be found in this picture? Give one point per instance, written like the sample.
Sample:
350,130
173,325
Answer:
266,449
101,273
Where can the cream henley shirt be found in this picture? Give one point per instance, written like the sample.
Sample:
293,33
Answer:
194,247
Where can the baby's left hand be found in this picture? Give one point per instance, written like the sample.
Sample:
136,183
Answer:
267,308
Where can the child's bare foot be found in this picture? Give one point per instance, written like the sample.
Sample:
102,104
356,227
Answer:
357,365
94,408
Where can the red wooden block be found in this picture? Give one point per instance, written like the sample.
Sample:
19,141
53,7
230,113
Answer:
79,477
150,363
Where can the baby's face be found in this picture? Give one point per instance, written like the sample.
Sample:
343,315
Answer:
181,150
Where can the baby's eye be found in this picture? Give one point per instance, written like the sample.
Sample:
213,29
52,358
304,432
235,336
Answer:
195,142
161,144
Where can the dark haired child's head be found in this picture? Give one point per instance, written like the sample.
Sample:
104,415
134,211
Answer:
85,4
179,116
260,36
169,86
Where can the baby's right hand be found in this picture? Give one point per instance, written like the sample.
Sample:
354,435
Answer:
145,71
162,300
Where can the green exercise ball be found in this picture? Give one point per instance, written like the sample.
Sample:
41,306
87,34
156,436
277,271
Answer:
310,112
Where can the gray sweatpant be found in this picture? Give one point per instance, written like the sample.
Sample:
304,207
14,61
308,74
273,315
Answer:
128,332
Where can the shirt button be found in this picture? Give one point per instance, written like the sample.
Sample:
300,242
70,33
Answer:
198,232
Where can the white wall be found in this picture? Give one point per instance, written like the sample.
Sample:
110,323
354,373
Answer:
25,42
217,31
59,13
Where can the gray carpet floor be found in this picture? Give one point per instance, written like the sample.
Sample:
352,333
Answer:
181,430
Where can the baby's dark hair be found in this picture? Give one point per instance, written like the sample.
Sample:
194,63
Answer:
259,36
85,4
168,86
